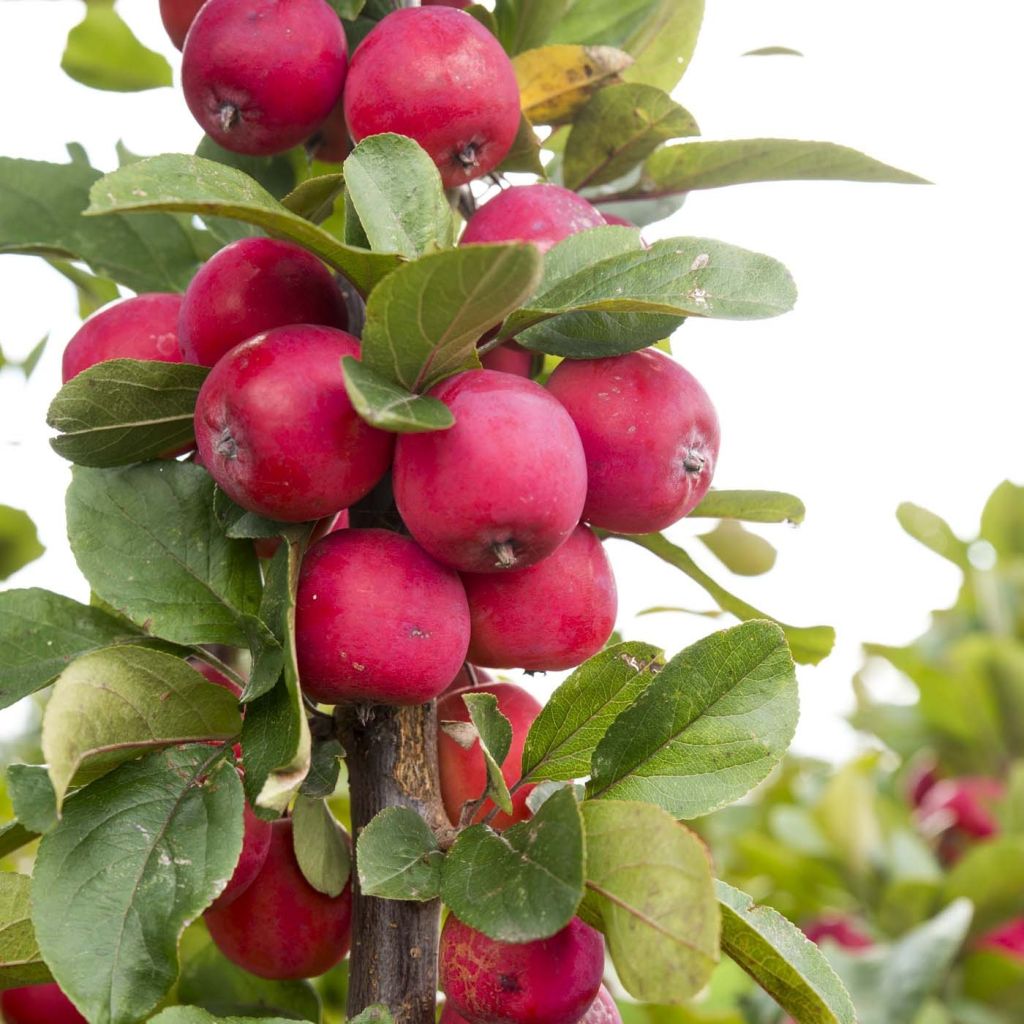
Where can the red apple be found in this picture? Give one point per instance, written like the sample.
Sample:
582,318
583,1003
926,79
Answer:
251,286
501,489
463,773
260,75
277,431
38,1004
553,615
377,619
145,327
281,927
541,214
650,433
439,77
547,981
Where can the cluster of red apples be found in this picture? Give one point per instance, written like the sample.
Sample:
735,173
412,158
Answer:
498,564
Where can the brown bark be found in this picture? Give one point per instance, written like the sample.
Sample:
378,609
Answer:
391,754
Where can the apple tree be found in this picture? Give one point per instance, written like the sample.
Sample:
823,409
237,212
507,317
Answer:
395,369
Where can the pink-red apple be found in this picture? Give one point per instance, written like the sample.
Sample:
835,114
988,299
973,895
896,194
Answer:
541,214
38,1004
281,927
145,327
463,773
552,615
177,16
277,431
377,619
439,77
260,75
650,433
547,981
501,489
838,928
251,286
255,847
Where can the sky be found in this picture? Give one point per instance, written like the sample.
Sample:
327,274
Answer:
896,377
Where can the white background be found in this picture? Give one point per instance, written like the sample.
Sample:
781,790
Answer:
896,378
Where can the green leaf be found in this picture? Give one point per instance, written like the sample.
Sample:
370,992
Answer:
275,173
113,705
991,876
398,857
321,846
93,292
524,156
389,406
782,960
714,164
808,644
740,551
1002,521
618,129
210,981
563,736
324,768
149,254
137,855
649,889
196,1015
149,544
524,24
495,732
664,43
41,632
424,321
20,961
889,984
523,884
32,796
190,184
276,741
395,188
103,53
315,199
676,277
377,1013
751,506
19,542
711,726
126,410
772,51
13,836
933,532
348,9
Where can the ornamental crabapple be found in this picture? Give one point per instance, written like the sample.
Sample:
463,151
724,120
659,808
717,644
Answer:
260,75
277,431
463,772
502,488
144,327
281,927
251,286
650,433
38,1004
509,358
377,619
541,214
177,16
552,615
546,981
439,77
255,847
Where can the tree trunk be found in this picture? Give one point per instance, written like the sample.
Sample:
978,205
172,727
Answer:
392,762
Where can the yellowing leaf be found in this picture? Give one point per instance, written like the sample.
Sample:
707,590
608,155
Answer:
556,81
